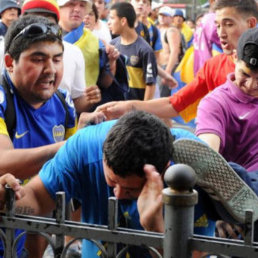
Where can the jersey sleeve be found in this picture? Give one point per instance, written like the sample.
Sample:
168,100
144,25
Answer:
149,66
211,117
157,45
3,127
187,99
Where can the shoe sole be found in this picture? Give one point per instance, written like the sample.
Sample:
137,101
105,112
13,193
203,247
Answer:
217,178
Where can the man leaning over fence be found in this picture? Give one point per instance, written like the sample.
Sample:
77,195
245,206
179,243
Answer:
112,158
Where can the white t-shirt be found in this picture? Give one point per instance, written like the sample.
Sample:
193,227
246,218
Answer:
103,33
74,71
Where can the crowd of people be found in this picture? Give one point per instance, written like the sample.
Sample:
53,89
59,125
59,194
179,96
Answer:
91,93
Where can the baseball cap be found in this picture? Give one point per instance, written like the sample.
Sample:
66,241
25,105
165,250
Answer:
41,6
6,4
63,2
247,48
166,10
155,5
179,12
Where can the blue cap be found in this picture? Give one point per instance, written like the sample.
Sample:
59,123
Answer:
179,12
6,4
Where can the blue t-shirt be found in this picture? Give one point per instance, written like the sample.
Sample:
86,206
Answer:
78,171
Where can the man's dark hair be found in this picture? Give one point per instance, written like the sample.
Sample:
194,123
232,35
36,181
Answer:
124,9
95,12
20,44
244,7
138,138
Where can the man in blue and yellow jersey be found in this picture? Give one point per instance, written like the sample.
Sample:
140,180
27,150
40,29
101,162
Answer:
42,119
141,62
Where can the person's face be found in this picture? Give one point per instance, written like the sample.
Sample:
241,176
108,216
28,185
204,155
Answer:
38,72
89,20
124,188
114,23
147,10
100,4
164,20
72,14
190,24
9,15
139,6
178,21
230,25
246,79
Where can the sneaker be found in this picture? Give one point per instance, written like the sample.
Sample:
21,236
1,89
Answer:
217,178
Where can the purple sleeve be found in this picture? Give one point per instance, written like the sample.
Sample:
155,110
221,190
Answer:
211,118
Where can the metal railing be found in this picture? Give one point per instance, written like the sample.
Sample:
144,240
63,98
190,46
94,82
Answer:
178,241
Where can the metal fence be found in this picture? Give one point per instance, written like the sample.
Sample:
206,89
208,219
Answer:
178,241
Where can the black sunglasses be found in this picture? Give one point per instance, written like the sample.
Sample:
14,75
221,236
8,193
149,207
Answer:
37,29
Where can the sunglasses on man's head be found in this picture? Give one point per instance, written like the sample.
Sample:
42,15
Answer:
37,29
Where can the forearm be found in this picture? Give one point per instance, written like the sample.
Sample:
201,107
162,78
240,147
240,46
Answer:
24,163
161,72
149,92
160,107
171,63
36,198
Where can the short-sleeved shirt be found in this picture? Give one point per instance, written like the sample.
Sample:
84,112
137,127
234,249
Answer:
141,65
232,115
77,170
213,74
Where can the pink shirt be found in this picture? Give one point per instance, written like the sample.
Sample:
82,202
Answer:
233,116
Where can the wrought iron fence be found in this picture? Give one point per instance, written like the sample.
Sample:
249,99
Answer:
178,241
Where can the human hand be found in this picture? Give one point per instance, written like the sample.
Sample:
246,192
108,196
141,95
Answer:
227,230
112,54
93,117
149,203
12,182
170,81
93,94
115,109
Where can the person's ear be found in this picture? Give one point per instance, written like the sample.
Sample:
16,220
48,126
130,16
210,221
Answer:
252,21
167,166
8,62
123,21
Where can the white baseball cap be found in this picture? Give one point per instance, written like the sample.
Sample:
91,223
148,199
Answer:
166,10
63,2
155,5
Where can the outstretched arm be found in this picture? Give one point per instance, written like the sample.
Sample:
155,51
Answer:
24,163
31,199
159,107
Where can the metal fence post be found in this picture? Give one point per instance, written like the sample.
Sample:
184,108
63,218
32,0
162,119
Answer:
112,224
10,204
60,218
179,199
